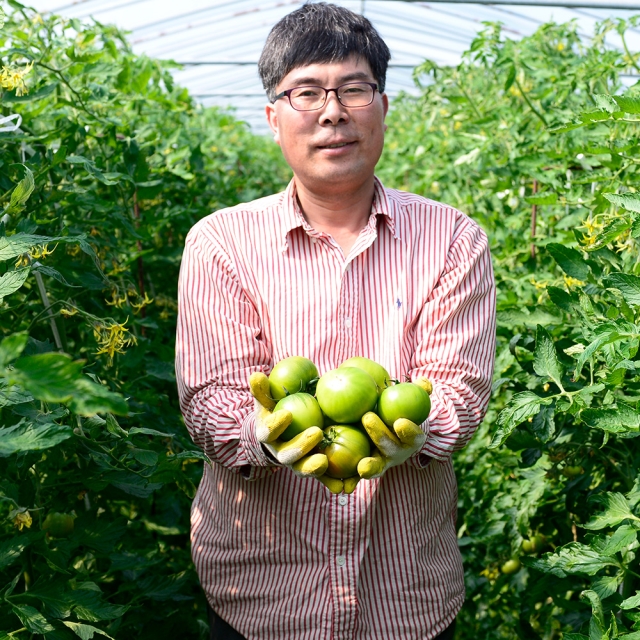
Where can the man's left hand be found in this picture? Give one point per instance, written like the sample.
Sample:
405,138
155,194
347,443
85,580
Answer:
394,446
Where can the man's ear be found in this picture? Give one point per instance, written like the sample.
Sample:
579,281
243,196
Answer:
272,119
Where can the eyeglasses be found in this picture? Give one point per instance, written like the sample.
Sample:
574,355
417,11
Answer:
352,94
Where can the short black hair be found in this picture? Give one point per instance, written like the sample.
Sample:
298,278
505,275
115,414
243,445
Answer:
320,33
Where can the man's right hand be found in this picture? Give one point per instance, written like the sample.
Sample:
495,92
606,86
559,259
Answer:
296,453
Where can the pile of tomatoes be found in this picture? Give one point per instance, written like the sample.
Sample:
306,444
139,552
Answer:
342,397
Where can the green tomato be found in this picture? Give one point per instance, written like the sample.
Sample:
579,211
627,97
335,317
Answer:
348,444
305,412
291,375
510,566
534,544
375,370
58,525
404,400
346,394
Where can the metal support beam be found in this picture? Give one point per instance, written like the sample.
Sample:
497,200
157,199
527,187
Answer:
631,5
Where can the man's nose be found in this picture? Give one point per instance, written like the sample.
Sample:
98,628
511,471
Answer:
333,112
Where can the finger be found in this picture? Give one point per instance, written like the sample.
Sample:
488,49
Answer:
314,465
270,426
425,383
372,466
349,484
291,451
382,437
408,432
333,484
259,385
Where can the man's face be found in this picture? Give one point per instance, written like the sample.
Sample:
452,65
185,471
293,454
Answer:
333,147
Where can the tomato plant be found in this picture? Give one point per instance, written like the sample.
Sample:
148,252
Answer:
537,139
305,412
291,375
111,165
345,446
404,400
346,394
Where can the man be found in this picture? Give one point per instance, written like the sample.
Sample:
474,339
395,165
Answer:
333,267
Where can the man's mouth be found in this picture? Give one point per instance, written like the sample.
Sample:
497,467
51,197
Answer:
336,145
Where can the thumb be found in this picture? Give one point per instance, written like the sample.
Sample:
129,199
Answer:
259,385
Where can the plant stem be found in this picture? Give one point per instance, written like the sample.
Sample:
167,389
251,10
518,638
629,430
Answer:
526,99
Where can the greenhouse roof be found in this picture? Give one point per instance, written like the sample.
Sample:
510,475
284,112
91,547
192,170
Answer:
219,42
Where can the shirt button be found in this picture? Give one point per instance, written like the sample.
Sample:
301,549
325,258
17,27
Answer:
341,561
347,323
342,500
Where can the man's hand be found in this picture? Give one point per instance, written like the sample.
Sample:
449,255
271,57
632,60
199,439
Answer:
296,453
393,446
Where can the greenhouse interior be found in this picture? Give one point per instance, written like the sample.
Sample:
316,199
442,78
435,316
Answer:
182,260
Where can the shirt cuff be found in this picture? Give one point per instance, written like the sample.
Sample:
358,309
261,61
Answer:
254,452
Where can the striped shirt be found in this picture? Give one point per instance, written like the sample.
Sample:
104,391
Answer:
279,556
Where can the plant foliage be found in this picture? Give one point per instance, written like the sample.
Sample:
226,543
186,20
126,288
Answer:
538,140
109,168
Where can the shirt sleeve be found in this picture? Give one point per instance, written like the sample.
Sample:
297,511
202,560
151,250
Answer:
217,347
456,343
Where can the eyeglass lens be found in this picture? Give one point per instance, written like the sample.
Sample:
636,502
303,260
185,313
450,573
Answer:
353,94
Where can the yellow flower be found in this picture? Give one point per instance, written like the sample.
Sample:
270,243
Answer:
41,251
116,299
68,312
22,519
14,79
143,303
22,261
112,338
572,282
538,285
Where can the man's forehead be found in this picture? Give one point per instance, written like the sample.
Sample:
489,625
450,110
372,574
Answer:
353,68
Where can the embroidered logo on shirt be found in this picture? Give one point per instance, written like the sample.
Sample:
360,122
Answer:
398,303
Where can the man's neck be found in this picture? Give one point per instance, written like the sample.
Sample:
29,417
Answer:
341,215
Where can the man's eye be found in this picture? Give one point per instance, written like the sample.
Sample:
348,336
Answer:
307,93
352,90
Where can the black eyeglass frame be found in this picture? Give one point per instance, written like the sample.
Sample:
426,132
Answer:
287,93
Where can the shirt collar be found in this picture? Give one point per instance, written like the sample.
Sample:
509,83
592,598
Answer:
292,214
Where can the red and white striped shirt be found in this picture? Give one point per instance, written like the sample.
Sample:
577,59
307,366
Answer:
280,557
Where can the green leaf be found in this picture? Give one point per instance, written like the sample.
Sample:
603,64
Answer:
627,284
21,193
605,333
510,317
12,395
545,358
32,619
511,77
114,428
26,436
628,201
11,549
631,603
561,299
616,509
609,234
570,559
606,586
542,199
569,260
521,407
85,631
597,624
19,243
89,604
543,425
54,377
623,537
628,103
10,282
605,102
11,347
618,419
